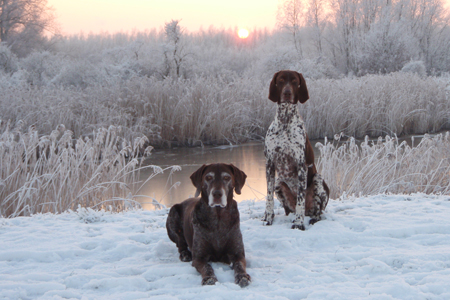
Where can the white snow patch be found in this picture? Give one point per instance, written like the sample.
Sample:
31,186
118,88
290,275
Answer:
379,247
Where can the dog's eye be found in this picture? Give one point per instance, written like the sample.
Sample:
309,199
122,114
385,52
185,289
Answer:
208,178
226,178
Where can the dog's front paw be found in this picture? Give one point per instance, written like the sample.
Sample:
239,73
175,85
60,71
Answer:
298,226
186,256
209,280
268,218
242,280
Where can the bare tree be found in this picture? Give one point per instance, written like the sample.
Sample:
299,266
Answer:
346,31
317,19
427,19
174,50
24,20
290,16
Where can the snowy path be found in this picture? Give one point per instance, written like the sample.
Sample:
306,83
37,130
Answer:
380,247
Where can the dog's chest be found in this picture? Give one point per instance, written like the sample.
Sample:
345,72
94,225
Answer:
217,226
285,140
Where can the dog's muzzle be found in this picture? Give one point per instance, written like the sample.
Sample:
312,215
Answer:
287,94
217,198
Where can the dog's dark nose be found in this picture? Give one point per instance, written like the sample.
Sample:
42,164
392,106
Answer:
287,92
217,194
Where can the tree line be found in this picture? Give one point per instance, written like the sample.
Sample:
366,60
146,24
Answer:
322,38
369,36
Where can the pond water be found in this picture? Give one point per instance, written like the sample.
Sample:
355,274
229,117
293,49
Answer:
248,157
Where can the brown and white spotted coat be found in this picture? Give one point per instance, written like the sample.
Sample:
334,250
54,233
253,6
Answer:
290,169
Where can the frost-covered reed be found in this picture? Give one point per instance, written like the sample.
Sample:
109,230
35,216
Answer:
375,105
386,166
54,173
221,109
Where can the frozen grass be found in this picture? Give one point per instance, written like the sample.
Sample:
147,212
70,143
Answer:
54,173
386,166
217,110
375,105
180,111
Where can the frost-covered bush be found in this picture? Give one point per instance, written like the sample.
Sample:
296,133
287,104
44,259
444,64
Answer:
386,166
39,68
274,61
8,60
385,49
319,68
78,74
137,58
415,67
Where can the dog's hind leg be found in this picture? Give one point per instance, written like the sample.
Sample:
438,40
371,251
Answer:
301,198
286,197
321,195
176,233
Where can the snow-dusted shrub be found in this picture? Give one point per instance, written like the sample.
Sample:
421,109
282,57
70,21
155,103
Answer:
274,61
415,67
54,173
78,74
39,68
386,166
8,60
384,49
319,68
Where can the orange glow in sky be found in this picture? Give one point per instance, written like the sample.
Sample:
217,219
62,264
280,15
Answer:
96,16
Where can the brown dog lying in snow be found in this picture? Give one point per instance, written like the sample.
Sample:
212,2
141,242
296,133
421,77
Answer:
206,229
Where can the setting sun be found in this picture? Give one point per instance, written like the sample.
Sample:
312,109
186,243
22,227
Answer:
243,33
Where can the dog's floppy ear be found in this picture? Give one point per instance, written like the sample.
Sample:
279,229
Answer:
239,178
303,94
273,90
197,179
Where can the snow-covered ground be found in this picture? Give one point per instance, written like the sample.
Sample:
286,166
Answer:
379,247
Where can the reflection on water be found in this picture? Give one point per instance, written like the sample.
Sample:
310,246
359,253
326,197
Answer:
247,157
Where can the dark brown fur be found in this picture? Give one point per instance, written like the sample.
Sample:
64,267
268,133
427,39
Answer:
282,80
211,234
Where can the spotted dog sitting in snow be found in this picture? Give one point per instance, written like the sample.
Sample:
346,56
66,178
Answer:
290,156
207,228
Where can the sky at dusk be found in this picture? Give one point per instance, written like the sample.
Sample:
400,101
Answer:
96,16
